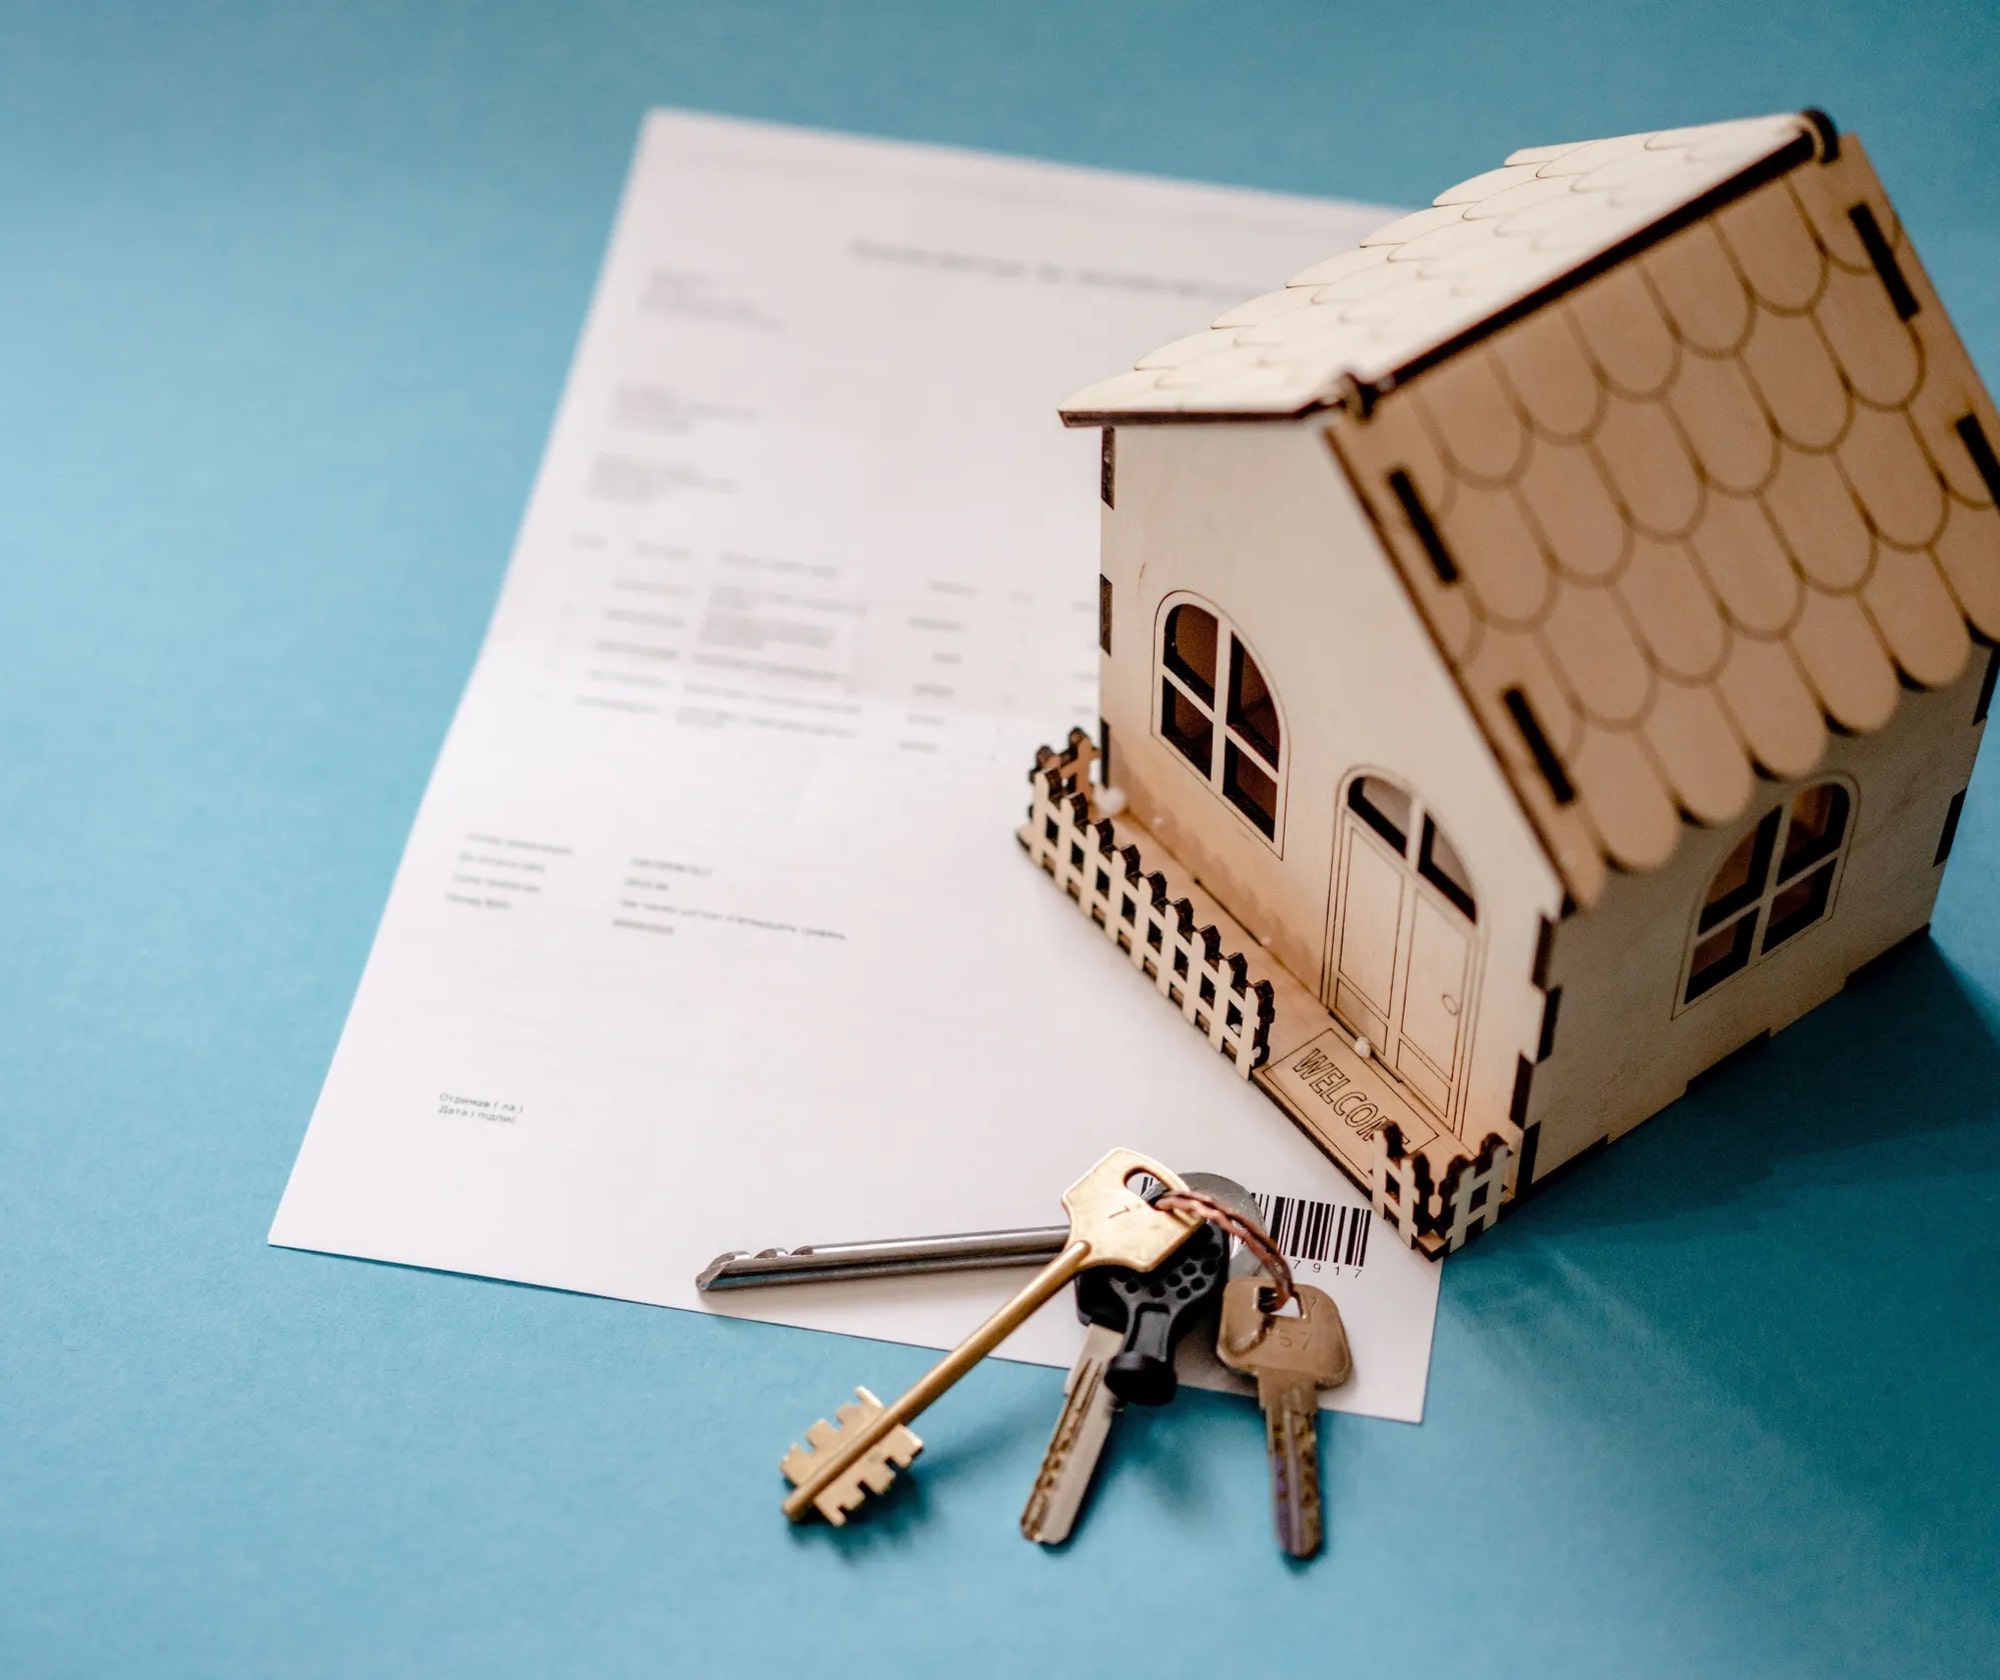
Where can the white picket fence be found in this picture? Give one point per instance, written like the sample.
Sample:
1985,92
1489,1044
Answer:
1111,885
1414,1198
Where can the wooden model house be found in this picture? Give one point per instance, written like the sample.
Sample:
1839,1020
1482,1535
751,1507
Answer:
1542,650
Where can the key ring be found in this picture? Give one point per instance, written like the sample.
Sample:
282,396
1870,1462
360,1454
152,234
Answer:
1246,1230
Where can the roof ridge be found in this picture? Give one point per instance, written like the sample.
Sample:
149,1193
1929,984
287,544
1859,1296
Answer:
1819,143
1421,289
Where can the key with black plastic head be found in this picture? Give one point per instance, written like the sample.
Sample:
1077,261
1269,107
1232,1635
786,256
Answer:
1134,1322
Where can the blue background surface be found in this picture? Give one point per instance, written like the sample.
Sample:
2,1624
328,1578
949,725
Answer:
286,298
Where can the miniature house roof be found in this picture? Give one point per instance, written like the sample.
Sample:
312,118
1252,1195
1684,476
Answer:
1409,289
1674,446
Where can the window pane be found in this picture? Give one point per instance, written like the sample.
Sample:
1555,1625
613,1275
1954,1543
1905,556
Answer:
1249,789
1439,865
1252,712
1190,649
1741,878
1819,821
1188,727
1720,955
1385,807
1798,906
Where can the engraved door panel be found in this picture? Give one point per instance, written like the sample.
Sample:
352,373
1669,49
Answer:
1371,894
1433,999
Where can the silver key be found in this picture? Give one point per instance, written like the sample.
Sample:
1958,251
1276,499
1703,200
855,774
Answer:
903,1256
1083,1427
1082,1430
896,1257
1292,1360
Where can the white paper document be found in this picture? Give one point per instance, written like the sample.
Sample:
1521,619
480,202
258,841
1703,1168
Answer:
712,932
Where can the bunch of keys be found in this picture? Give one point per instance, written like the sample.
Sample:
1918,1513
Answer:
1142,1283
1289,1338
1133,1322
1110,1224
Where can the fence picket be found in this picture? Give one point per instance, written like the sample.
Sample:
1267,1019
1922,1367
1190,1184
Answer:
1111,885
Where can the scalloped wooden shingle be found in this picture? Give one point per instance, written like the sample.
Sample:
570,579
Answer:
1766,477
1701,469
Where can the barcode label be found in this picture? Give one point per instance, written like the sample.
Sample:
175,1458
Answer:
1316,1231
1320,1232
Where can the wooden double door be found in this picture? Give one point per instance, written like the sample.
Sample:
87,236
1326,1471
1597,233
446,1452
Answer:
1402,948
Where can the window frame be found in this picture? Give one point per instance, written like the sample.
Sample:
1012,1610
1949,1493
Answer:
1418,847
1750,911
1225,738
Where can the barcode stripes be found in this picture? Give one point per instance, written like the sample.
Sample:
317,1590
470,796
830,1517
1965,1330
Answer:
1318,1231
1305,1230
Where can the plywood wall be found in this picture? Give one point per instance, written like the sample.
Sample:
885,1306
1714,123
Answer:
1259,519
1625,1045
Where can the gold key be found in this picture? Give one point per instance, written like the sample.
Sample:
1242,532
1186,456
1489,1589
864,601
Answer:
1110,1224
1292,1360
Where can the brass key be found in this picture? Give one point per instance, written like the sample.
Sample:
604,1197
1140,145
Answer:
1110,1224
1292,1360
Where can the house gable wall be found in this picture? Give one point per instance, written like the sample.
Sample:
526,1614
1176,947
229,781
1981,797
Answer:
1259,520
1622,1050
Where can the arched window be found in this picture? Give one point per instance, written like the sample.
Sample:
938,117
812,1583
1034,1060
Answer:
1217,710
1390,811
1776,883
